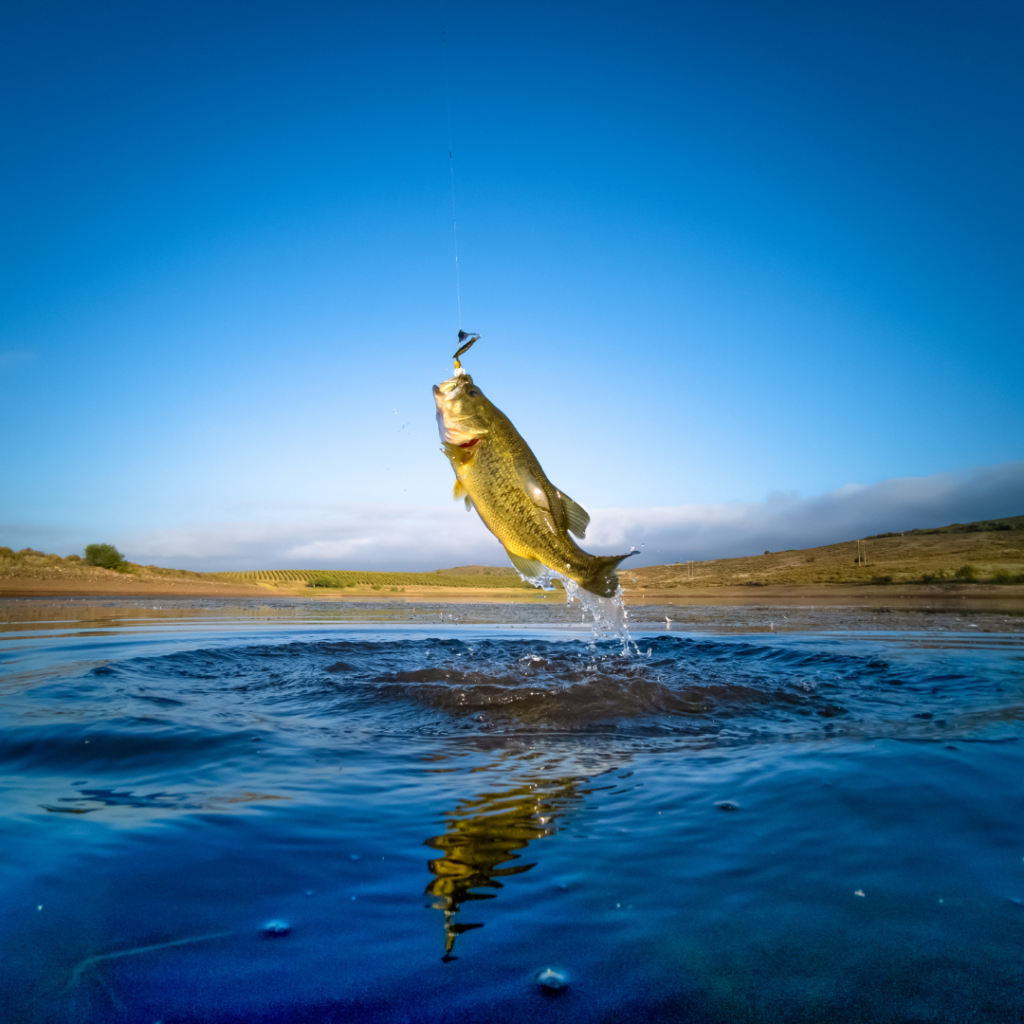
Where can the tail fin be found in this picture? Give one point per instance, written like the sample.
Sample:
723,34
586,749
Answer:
604,580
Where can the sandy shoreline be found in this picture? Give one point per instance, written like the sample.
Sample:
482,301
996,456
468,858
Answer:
924,596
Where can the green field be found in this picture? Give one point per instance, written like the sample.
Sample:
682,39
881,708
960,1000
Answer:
343,578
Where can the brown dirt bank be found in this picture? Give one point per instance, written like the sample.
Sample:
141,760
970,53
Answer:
117,585
966,596
104,583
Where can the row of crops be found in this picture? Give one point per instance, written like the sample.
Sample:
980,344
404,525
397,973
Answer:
342,578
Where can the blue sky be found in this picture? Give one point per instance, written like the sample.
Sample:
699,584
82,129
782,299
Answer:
718,252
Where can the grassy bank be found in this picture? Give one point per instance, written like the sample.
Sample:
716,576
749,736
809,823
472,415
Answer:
32,564
342,579
990,552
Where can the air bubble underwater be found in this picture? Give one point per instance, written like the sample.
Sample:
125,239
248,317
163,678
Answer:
551,980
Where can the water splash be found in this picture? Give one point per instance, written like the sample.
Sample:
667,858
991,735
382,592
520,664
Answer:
608,616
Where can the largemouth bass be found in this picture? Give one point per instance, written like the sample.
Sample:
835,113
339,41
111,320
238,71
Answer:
498,475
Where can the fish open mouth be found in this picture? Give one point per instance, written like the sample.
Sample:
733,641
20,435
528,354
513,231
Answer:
446,389
449,421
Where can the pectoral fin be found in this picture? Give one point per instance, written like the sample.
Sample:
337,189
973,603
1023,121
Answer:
459,492
578,518
525,566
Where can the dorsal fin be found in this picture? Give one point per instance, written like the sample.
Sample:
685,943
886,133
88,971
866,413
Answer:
577,517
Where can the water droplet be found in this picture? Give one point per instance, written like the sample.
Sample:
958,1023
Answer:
40,907
859,892
276,929
552,980
727,805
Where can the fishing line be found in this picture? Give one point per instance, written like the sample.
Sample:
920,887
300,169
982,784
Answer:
451,162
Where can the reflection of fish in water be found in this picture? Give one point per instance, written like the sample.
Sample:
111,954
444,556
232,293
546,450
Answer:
498,475
485,832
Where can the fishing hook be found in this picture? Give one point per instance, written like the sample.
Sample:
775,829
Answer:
473,339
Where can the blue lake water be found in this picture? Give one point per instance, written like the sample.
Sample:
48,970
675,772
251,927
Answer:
406,813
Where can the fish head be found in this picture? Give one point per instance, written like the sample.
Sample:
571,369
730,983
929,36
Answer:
464,414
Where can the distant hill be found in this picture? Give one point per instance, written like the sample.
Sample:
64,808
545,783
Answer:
990,551
30,572
30,563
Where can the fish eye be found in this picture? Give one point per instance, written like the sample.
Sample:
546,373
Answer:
472,392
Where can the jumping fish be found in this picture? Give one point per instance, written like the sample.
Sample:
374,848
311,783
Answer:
498,475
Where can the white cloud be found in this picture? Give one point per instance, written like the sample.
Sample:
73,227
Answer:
356,536
427,537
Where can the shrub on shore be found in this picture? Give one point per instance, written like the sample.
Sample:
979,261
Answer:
106,556
1002,576
324,580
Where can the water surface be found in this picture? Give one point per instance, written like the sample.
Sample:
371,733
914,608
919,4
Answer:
274,812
